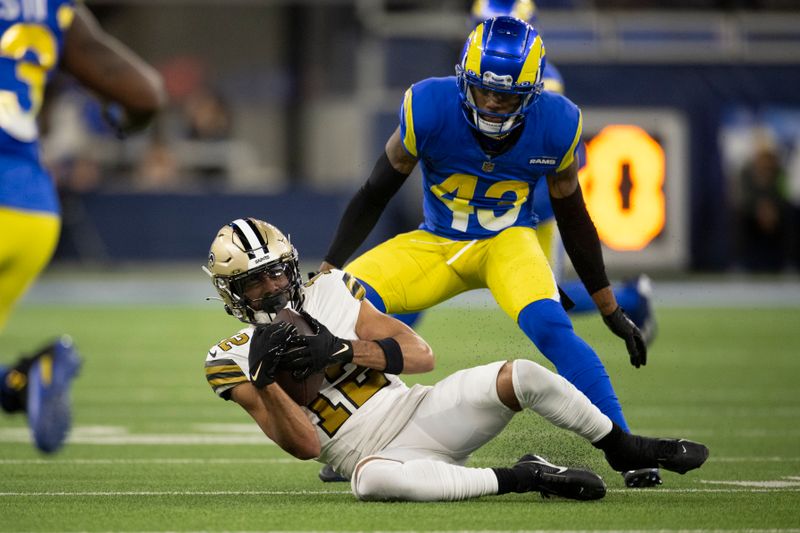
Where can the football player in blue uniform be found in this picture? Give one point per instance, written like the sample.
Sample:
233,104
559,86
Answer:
36,38
485,138
634,296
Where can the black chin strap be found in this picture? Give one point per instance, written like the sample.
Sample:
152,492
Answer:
493,146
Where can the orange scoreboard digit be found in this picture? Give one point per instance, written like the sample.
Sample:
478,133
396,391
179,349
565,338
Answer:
633,182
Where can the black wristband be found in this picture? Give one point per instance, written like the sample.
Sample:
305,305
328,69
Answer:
393,354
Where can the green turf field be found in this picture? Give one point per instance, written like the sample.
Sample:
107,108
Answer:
154,450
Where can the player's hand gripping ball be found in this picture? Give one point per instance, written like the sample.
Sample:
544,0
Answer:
309,354
269,342
300,388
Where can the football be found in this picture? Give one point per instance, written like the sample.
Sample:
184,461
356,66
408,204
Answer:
302,392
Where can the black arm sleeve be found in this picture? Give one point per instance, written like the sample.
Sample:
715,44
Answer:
364,210
580,240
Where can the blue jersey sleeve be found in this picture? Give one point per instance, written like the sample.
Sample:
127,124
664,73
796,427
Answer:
419,116
567,136
407,130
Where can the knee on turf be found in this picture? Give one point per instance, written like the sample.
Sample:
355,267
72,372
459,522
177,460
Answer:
377,479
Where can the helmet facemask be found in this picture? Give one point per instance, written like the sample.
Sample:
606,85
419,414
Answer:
509,61
263,309
242,255
478,118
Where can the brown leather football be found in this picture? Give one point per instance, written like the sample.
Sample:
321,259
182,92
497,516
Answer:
302,392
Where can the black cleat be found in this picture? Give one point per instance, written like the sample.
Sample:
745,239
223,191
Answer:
550,480
680,455
635,452
329,475
642,478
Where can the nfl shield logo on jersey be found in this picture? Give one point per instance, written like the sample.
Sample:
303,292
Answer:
488,166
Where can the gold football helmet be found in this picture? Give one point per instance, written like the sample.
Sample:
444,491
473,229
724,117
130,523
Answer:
242,253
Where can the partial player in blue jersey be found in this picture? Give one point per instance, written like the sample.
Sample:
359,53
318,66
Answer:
484,139
633,296
35,38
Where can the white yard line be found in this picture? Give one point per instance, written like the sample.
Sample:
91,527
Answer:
217,434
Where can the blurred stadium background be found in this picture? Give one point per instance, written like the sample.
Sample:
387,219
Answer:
279,109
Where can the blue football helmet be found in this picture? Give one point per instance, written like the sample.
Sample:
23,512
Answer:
486,9
505,55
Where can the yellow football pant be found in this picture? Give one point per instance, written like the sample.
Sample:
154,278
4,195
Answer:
550,241
27,242
417,270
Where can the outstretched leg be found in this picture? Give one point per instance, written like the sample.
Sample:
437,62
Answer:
420,480
521,281
460,414
551,396
424,480
546,323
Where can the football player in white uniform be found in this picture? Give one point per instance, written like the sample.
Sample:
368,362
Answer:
392,441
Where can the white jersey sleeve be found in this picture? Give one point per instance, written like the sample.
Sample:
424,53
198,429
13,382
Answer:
227,362
334,298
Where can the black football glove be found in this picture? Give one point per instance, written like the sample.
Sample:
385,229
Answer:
623,327
309,354
269,342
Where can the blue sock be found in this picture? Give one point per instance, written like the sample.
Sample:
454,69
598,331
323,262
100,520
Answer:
548,326
375,299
